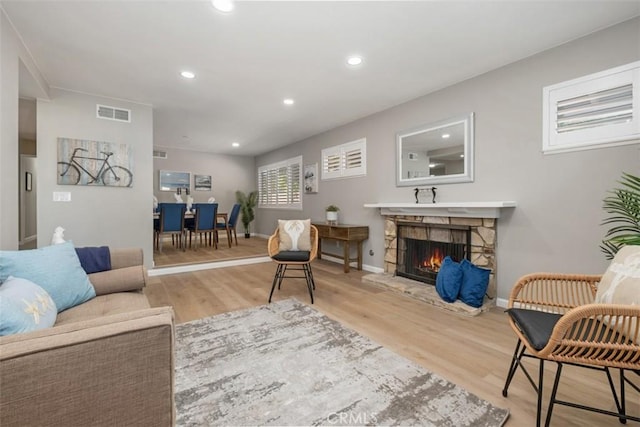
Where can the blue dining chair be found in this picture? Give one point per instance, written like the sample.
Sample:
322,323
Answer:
171,221
230,225
204,223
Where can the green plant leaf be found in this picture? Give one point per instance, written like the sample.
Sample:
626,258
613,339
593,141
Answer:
623,207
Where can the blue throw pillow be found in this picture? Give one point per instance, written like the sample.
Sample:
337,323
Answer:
55,268
449,280
475,281
24,307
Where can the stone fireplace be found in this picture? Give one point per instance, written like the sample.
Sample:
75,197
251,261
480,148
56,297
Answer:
421,248
482,234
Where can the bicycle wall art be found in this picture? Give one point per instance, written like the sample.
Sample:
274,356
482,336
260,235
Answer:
84,162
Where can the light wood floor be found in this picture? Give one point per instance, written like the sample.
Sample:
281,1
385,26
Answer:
473,352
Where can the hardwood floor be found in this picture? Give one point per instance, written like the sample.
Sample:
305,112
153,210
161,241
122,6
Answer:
473,352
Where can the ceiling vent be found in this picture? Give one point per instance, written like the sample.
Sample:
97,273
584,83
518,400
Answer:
113,113
159,154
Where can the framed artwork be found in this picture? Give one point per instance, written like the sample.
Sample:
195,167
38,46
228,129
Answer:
28,181
85,162
172,180
311,178
202,182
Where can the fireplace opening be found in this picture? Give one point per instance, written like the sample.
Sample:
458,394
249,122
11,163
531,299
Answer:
421,248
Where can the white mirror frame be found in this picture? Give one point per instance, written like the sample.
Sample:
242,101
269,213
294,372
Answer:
466,176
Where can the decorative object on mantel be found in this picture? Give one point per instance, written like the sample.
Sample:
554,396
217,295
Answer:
623,205
417,192
247,203
332,214
336,377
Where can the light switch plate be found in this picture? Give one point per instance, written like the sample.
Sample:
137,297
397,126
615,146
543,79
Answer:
61,196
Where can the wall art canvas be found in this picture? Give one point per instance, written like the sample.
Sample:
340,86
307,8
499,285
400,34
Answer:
85,162
311,178
172,180
202,182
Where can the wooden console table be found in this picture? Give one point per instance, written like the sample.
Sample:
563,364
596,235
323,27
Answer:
345,233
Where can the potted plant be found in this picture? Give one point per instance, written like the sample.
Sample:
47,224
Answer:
247,203
332,213
623,205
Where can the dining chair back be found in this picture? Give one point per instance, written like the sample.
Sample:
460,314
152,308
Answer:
204,222
231,223
171,221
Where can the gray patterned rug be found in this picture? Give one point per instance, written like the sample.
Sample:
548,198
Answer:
287,364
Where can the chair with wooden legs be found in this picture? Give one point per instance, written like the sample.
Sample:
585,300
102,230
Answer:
204,223
299,260
171,221
556,318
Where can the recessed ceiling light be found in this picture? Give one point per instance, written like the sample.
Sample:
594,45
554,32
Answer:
445,135
288,101
354,60
187,74
235,144
223,5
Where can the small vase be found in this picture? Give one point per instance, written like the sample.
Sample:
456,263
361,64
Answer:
332,217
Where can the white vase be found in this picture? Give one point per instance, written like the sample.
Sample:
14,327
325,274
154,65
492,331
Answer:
332,217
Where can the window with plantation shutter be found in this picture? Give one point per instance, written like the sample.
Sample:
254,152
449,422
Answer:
345,160
279,184
594,111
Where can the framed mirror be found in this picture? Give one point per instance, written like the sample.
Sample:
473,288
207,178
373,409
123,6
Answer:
436,153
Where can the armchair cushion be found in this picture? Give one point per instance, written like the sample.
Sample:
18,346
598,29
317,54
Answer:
620,284
295,235
449,280
55,268
292,256
24,307
536,326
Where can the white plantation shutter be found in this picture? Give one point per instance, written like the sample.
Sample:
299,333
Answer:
345,160
598,110
280,184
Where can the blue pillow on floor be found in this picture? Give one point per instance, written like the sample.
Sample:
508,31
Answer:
449,280
55,268
475,281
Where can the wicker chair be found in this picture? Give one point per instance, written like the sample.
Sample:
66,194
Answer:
294,260
556,319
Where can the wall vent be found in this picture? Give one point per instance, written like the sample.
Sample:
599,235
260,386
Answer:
113,113
159,154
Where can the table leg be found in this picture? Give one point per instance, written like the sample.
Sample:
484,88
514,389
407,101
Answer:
319,255
360,255
346,256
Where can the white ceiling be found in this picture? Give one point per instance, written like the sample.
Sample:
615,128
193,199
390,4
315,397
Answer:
248,61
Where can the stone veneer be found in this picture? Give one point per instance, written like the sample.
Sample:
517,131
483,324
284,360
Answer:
483,241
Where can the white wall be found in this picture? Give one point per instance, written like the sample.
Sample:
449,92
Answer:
96,215
556,226
14,60
228,174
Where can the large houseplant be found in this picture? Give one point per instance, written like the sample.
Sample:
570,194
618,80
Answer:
623,206
247,203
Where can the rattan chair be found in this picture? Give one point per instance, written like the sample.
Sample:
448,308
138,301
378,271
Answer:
556,319
293,260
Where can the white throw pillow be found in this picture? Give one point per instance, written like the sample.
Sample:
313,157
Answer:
24,307
295,234
620,284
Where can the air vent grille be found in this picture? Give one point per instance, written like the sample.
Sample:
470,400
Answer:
113,113
159,154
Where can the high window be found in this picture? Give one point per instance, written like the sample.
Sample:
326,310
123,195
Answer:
346,160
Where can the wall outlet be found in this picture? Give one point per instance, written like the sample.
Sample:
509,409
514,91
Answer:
61,196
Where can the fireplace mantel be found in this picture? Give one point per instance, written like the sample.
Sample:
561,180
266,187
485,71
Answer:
450,209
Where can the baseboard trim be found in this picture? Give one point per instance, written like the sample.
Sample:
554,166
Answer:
162,271
365,267
502,302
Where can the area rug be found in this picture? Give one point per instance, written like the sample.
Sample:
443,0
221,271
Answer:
288,364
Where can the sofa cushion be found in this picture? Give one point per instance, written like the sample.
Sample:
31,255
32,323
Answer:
449,280
104,305
55,268
294,235
24,307
475,281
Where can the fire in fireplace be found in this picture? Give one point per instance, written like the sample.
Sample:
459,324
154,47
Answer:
422,248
